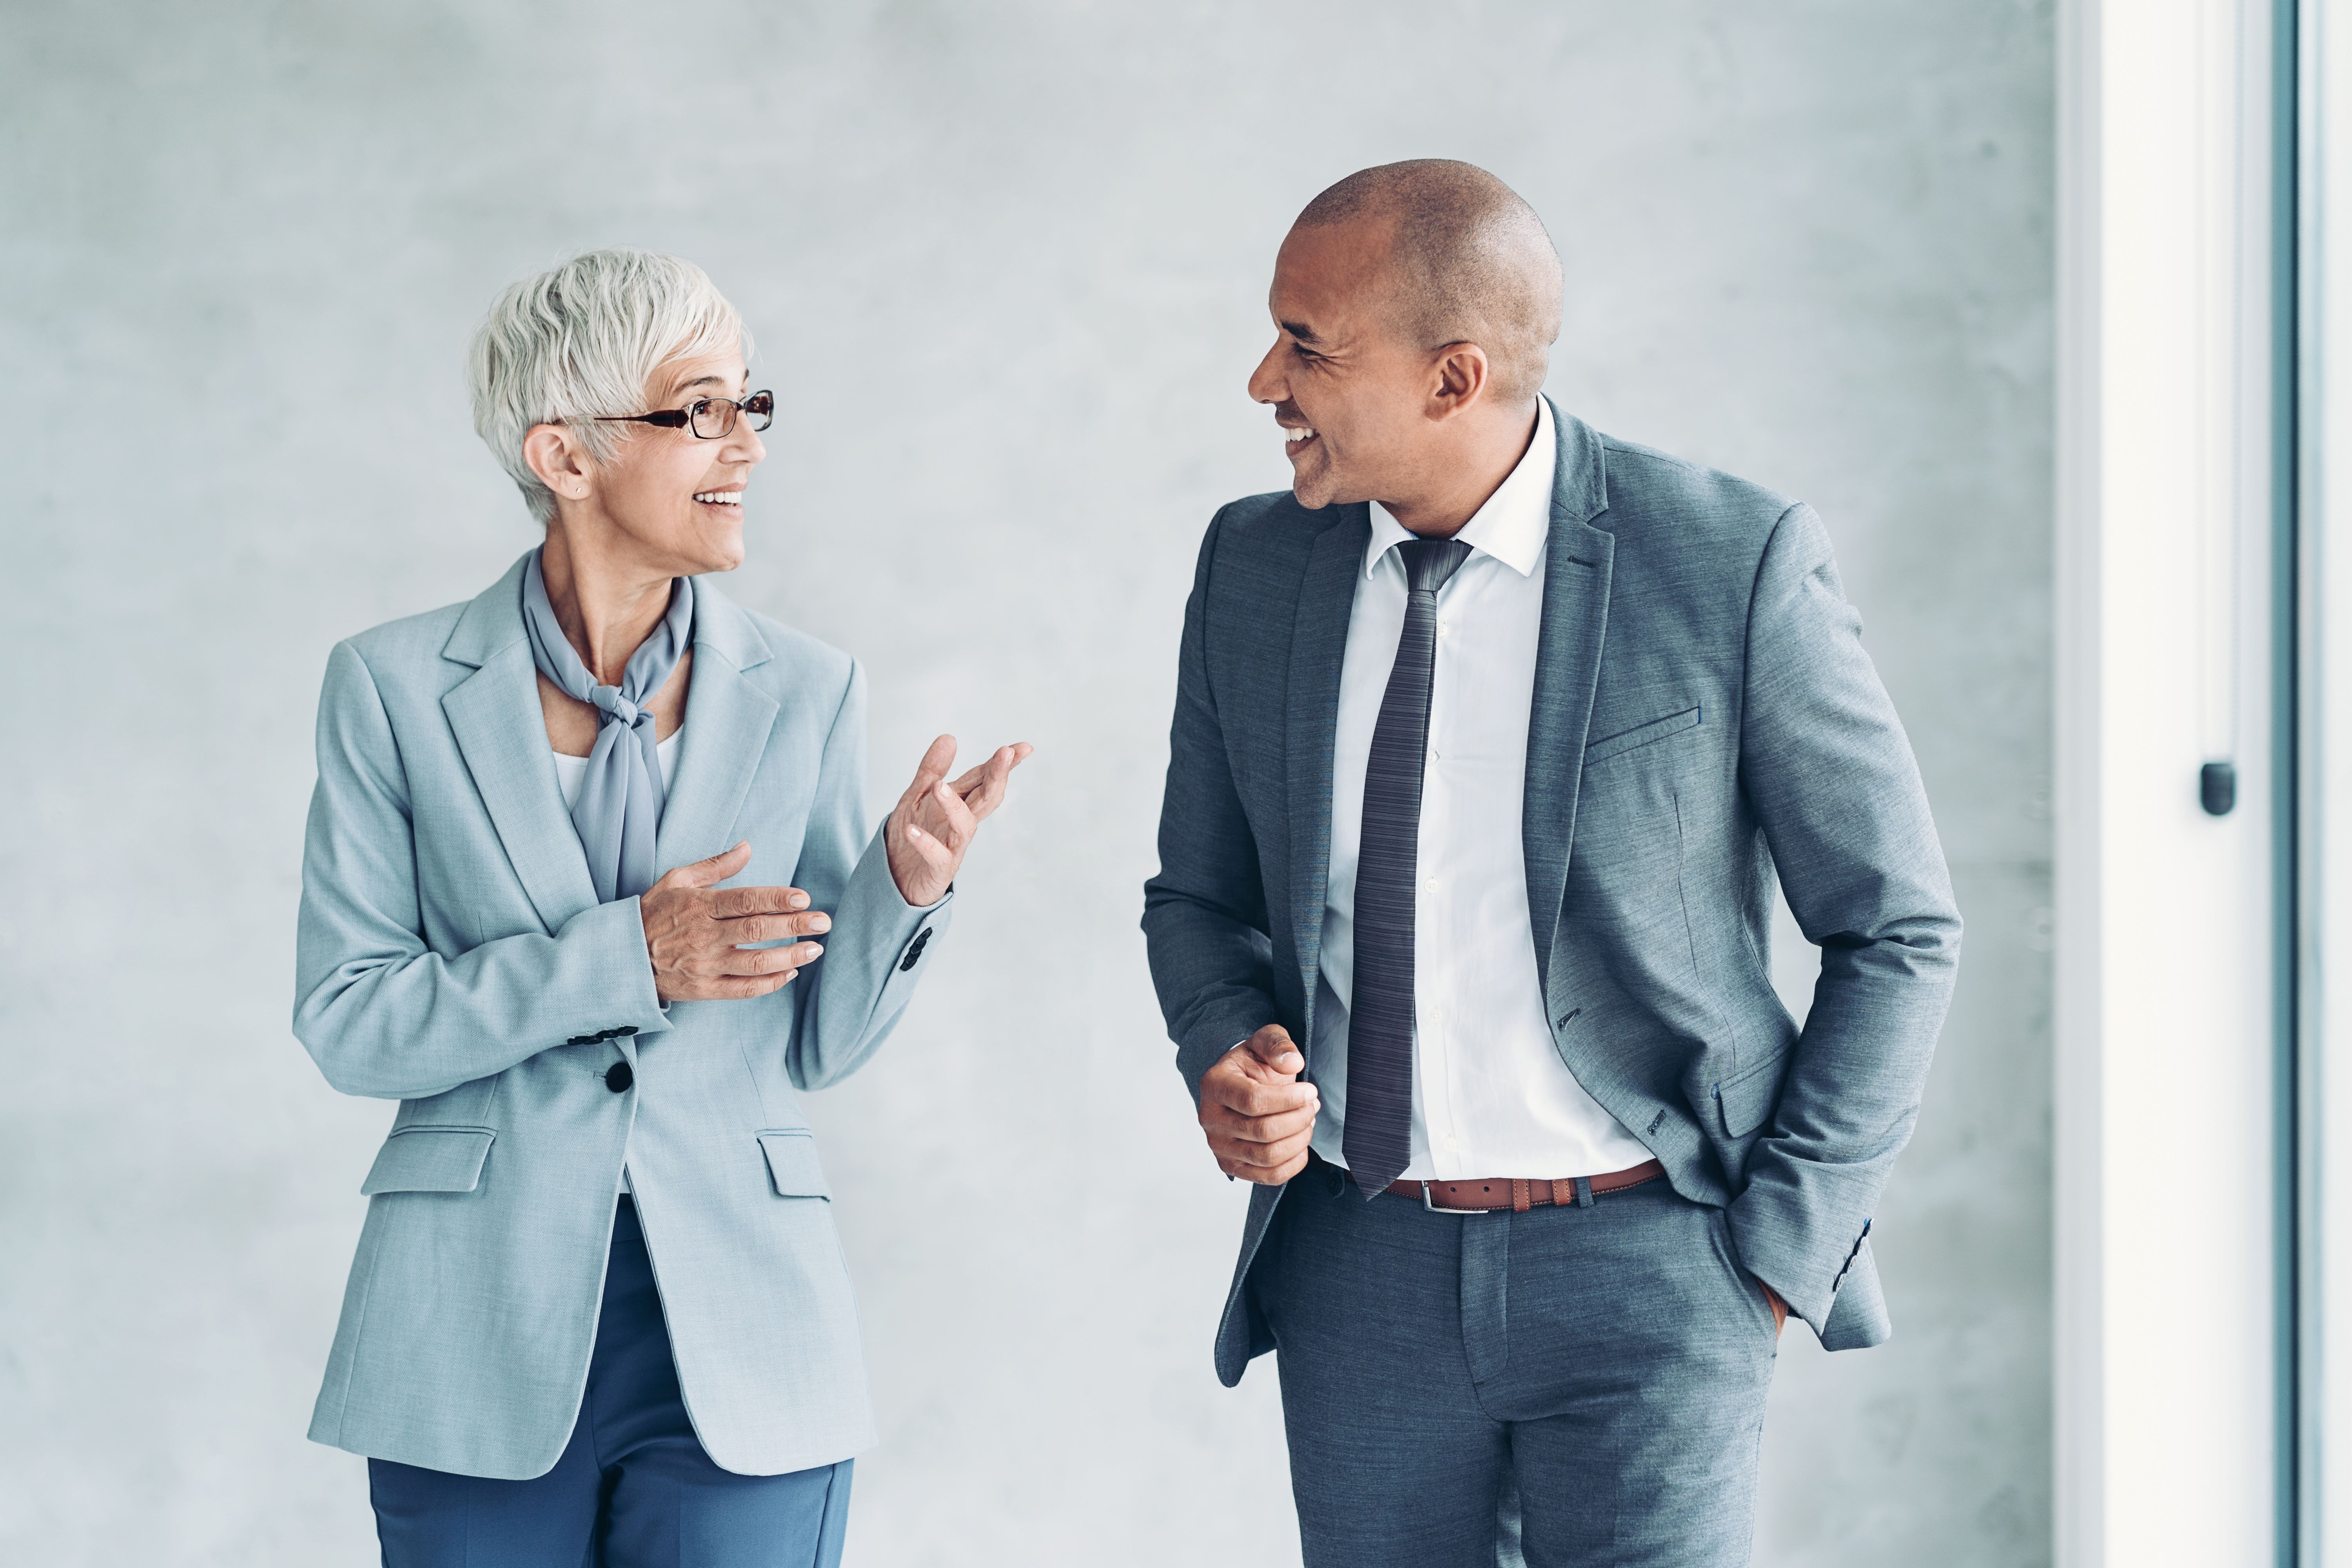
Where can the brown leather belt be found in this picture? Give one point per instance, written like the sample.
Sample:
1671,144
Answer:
1519,1193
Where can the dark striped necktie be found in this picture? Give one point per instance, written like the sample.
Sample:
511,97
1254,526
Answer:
1377,1138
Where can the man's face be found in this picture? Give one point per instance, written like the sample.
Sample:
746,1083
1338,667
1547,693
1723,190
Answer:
1345,387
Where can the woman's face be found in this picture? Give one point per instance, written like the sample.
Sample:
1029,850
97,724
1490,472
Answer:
673,499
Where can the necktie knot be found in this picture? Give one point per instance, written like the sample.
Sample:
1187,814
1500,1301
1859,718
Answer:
1430,563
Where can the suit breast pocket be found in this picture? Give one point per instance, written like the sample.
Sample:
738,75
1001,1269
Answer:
1628,818
1621,742
1625,864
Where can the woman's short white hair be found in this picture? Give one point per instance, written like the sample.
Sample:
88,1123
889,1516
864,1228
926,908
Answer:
584,340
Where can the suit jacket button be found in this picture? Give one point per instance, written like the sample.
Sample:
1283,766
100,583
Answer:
617,1078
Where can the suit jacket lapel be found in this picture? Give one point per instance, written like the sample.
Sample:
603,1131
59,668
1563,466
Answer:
1319,645
1576,569
495,717
724,712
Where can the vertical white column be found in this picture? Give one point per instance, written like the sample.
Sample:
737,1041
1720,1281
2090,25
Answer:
2078,1382
2165,1352
2325,512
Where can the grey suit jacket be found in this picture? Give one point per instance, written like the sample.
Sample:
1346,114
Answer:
1703,715
452,955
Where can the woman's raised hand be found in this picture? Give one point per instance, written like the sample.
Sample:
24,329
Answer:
934,821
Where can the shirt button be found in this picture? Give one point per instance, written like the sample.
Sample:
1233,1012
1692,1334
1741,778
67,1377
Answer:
617,1078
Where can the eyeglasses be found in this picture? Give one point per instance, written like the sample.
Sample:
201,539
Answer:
708,417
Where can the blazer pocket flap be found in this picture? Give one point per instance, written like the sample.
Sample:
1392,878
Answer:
429,1159
1640,735
793,1165
1746,1102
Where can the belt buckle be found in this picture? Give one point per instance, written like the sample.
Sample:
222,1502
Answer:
1430,1204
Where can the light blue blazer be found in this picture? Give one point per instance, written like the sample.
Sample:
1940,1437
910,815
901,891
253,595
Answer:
453,956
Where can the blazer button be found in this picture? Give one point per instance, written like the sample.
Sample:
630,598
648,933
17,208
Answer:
617,1078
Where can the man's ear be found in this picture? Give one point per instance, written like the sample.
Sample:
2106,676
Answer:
555,454
1462,378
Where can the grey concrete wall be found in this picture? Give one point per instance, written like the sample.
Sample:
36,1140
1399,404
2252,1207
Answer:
1007,266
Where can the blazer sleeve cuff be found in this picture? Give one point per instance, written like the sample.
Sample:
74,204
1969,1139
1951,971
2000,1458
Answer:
876,915
1205,1045
613,937
1803,1236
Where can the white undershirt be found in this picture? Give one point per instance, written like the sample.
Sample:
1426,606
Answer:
571,774
1491,1096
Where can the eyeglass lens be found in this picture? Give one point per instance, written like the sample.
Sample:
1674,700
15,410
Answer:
715,416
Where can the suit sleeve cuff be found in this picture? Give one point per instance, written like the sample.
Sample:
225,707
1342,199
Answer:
614,937
902,933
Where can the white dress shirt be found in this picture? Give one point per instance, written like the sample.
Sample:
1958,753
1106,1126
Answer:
1491,1096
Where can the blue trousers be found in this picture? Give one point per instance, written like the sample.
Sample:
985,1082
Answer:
632,1489
1580,1386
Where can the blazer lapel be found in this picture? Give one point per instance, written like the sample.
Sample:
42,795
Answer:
1319,645
495,717
1577,563
724,711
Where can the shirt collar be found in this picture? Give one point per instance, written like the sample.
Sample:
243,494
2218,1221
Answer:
1516,522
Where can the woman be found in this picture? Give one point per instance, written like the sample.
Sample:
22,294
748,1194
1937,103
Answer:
512,923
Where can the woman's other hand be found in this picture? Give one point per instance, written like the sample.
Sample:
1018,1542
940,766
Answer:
934,821
694,932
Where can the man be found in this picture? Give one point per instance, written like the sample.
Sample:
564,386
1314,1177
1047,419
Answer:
1489,738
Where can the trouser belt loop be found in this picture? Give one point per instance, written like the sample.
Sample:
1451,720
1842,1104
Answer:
1584,1192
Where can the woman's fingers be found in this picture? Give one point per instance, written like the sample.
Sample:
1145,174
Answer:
996,778
937,759
739,989
935,855
954,822
741,963
777,927
938,818
992,778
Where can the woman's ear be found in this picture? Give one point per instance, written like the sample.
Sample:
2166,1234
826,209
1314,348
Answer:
555,456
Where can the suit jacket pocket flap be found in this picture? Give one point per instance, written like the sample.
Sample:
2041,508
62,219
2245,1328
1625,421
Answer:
1640,735
430,1160
793,1165
1747,1102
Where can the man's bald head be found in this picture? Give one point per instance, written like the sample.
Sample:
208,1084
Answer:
1469,262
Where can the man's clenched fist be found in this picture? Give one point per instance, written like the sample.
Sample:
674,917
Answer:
1256,1113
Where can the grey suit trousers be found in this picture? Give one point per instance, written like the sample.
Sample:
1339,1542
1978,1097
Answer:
1607,1364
